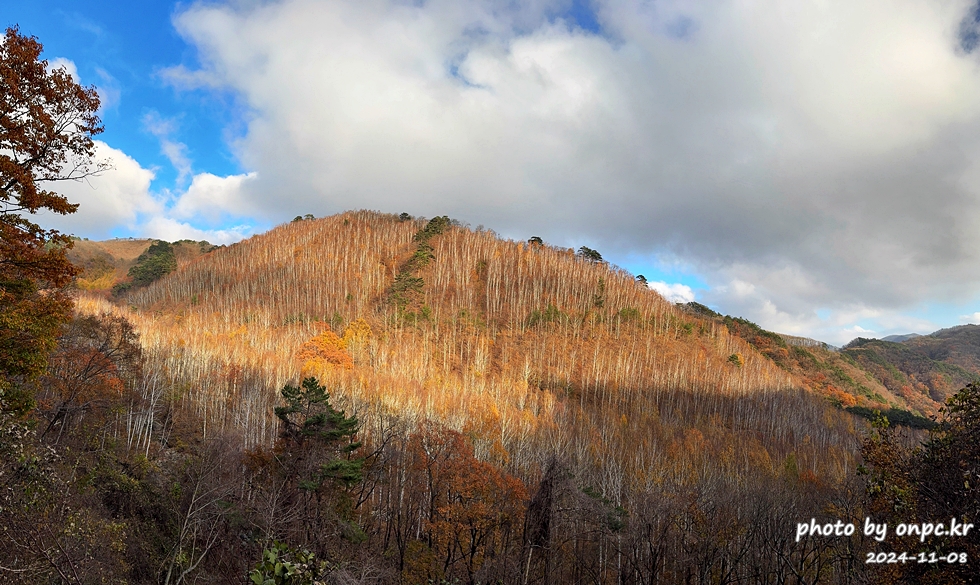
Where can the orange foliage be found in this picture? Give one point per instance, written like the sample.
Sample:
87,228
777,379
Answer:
85,376
324,350
846,399
473,505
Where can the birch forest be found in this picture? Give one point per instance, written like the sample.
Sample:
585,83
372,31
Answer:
373,398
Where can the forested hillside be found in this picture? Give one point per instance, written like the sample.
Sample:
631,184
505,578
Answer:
121,264
536,357
510,339
934,366
857,378
413,401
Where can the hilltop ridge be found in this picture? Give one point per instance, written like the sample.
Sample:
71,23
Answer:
382,273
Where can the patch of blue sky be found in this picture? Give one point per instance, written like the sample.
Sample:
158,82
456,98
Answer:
655,270
946,314
121,48
923,319
681,28
454,72
582,15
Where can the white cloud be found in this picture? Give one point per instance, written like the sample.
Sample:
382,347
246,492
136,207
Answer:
673,292
120,201
183,78
213,198
116,197
108,90
67,64
973,318
166,228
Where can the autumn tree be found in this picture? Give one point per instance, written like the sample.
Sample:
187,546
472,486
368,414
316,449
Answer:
88,372
472,515
47,122
935,482
324,351
948,473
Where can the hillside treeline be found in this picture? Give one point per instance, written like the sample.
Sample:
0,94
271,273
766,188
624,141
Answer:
374,399
110,479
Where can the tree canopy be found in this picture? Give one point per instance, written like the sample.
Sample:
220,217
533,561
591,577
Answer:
47,121
590,254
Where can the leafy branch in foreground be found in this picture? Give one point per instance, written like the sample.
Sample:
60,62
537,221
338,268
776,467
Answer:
47,122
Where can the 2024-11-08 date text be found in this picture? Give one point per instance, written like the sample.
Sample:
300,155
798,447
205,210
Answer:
922,557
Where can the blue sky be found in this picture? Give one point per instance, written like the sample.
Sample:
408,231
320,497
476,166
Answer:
119,47
811,166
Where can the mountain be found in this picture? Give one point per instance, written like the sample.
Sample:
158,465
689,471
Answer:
106,264
826,371
928,366
563,309
519,409
522,344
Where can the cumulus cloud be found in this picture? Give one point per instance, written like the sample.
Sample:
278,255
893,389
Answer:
673,292
67,64
797,155
973,318
171,230
120,200
212,198
113,199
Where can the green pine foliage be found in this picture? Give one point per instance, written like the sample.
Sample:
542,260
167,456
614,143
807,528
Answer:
310,420
158,261
407,290
895,416
590,254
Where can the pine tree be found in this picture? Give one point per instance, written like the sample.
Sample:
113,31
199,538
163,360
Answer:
311,422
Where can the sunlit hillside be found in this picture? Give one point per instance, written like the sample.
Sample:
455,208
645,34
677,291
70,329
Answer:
844,377
106,264
529,348
925,368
